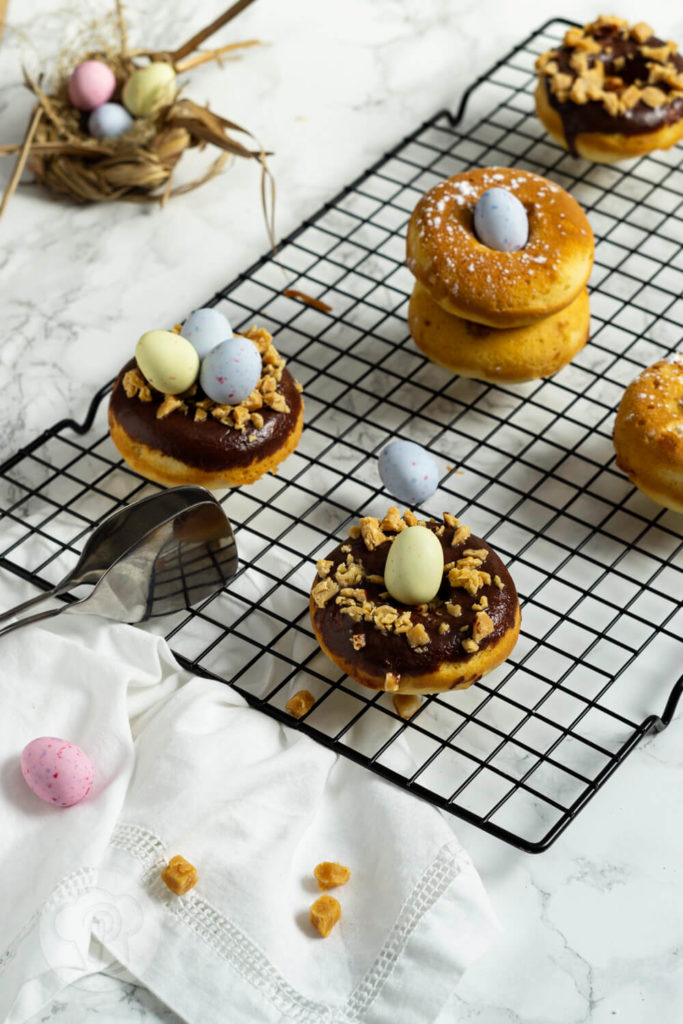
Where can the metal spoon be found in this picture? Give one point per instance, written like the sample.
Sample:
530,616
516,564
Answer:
118,532
188,557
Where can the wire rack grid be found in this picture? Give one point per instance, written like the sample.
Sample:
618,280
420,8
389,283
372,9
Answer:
531,467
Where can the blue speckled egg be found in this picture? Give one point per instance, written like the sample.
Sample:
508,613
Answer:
231,371
500,220
109,121
206,328
408,471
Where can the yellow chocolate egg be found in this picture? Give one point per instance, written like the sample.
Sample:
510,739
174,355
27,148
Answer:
149,89
414,568
168,361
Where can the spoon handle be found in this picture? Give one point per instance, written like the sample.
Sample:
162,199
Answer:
38,617
25,605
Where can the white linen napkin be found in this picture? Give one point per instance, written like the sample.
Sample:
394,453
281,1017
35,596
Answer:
184,766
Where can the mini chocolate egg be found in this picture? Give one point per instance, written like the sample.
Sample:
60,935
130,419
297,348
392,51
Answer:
91,84
167,361
109,121
408,471
500,220
414,567
231,371
149,89
57,771
206,328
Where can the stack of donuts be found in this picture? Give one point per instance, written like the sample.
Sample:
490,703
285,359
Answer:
501,258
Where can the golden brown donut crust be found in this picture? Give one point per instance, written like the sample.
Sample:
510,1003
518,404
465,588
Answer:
500,289
469,628
494,354
601,147
648,433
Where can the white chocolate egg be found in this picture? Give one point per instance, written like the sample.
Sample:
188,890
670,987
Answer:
500,221
149,89
167,361
414,567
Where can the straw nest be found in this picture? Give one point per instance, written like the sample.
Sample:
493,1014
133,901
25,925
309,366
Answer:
138,166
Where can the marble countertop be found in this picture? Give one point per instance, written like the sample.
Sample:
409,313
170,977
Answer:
592,928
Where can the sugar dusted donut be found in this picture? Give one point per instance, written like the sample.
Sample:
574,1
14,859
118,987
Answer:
500,289
189,439
493,354
468,628
612,91
648,432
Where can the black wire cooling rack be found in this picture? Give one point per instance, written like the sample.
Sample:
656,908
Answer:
598,566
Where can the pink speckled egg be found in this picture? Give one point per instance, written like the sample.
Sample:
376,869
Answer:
91,84
57,771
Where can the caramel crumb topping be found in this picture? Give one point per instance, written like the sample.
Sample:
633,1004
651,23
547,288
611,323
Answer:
461,534
358,641
406,704
418,636
392,521
350,574
300,704
323,591
483,626
454,609
169,405
444,628
470,645
323,566
467,574
641,32
135,384
371,533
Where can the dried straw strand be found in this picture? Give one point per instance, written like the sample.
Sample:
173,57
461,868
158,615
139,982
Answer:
3,14
23,156
123,31
208,55
198,38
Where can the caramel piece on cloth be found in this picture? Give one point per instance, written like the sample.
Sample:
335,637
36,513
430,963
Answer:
179,875
330,874
325,913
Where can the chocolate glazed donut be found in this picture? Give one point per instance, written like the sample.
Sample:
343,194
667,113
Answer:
612,91
444,648
189,439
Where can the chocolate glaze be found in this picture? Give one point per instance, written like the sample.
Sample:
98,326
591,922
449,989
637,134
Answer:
207,444
592,116
390,652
